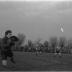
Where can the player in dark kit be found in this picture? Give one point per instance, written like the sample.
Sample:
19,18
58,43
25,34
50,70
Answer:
58,51
7,42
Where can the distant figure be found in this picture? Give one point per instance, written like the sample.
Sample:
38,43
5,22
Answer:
7,42
36,51
58,51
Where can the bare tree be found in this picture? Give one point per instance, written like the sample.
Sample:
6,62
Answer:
21,41
69,46
46,45
30,45
37,42
53,43
62,43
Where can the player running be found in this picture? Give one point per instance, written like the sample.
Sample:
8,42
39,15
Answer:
7,42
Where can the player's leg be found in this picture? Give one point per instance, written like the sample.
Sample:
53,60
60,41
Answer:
60,55
4,58
12,60
10,54
55,52
40,52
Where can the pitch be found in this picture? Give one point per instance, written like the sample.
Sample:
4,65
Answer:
42,62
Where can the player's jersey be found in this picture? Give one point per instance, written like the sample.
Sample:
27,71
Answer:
5,45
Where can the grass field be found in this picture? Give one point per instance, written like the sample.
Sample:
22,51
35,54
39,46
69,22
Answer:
43,62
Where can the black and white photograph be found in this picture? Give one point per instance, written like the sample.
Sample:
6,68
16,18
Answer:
35,35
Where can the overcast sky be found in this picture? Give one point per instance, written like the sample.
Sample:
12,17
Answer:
36,19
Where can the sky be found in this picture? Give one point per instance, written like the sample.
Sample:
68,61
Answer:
36,19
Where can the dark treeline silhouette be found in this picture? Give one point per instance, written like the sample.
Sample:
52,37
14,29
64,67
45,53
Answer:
47,46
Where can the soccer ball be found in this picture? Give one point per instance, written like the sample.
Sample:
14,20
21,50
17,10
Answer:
62,30
4,62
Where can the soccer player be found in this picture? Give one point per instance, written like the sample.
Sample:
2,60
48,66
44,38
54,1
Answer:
36,51
6,51
58,51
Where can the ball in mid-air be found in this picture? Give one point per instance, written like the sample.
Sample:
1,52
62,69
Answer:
62,30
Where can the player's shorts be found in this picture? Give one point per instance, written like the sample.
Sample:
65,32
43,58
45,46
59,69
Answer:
57,51
5,54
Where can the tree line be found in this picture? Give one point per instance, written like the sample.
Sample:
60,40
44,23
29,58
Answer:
47,46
